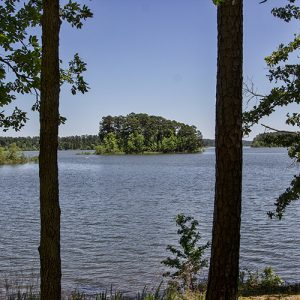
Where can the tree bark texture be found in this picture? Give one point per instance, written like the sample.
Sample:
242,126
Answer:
50,262
224,262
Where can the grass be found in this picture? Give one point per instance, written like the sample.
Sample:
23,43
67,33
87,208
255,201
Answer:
28,290
265,285
286,289
118,296
20,287
272,297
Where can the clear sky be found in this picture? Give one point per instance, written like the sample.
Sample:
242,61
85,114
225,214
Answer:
158,57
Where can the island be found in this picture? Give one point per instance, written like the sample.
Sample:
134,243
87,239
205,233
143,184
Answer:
273,139
143,133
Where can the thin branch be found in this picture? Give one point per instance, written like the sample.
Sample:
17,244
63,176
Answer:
21,76
280,131
250,90
26,78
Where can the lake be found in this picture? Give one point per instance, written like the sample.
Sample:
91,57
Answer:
118,215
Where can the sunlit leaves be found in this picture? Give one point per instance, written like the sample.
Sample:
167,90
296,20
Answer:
217,2
283,52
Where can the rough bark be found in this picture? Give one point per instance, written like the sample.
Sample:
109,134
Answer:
224,263
50,262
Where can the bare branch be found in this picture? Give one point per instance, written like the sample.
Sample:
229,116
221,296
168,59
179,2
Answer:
250,90
250,93
280,131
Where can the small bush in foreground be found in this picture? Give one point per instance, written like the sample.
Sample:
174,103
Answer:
265,282
188,259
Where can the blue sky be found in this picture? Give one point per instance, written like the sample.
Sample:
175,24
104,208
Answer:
159,57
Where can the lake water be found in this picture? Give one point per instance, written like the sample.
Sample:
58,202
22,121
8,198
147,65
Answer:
118,215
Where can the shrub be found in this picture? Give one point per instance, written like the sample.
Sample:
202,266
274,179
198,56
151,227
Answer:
13,155
264,282
188,259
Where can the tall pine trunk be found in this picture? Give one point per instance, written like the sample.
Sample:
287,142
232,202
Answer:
224,263
49,120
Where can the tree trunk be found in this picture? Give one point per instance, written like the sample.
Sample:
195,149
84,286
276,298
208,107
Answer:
224,263
49,119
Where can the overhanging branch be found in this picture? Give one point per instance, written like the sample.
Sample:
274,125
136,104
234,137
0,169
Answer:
27,79
280,131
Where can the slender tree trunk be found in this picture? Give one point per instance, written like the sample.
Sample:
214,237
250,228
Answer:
224,264
49,119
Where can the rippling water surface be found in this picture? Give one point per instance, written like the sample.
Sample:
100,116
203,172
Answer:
118,215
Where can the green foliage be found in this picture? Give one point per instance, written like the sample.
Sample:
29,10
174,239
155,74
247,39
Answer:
217,2
137,133
187,260
287,13
109,145
135,143
74,13
13,155
189,139
169,144
266,281
274,139
20,58
285,76
269,278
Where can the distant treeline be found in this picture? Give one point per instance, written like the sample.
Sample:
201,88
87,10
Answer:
84,142
137,133
211,143
275,139
208,143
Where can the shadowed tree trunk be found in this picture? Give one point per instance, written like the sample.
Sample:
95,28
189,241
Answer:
49,119
224,263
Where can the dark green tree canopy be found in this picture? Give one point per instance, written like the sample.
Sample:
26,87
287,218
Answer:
20,55
136,133
274,139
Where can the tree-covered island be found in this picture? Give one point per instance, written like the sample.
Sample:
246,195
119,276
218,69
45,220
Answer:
275,139
141,133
